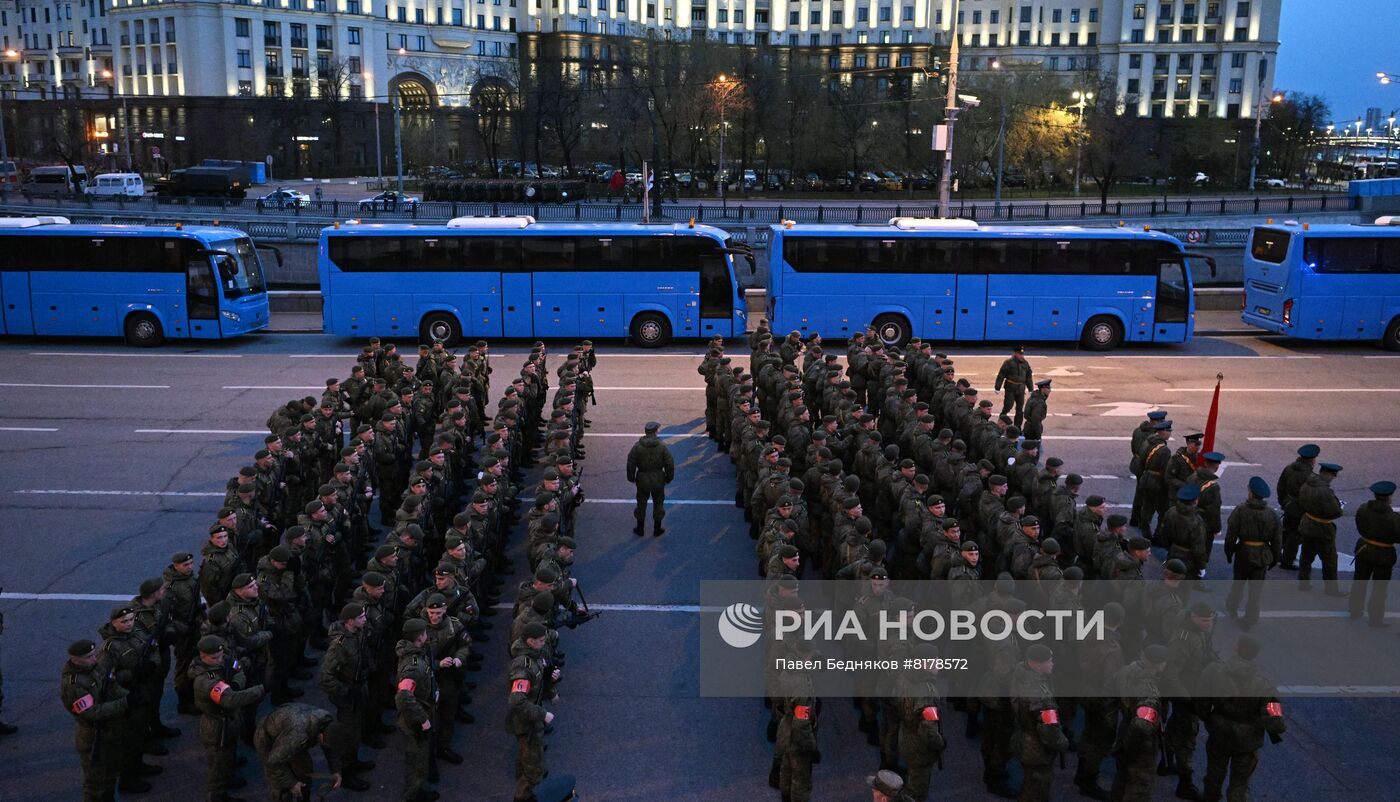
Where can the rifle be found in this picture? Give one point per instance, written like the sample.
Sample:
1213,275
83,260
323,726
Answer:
101,695
574,618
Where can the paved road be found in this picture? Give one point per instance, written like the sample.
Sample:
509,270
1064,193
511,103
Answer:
113,458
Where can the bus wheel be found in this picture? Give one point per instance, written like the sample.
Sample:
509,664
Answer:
1392,335
651,330
143,331
893,330
440,326
1102,333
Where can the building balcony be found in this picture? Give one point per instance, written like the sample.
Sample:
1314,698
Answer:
70,50
274,72
299,44
1159,95
298,72
1205,95
324,44
99,48
1212,19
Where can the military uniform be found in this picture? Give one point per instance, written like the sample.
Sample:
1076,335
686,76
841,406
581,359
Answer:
1014,378
98,705
345,672
1378,527
1252,545
1242,707
798,708
921,739
223,696
650,467
284,740
1040,737
1317,531
415,699
1141,714
526,714
1291,480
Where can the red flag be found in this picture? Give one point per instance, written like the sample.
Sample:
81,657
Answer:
1209,444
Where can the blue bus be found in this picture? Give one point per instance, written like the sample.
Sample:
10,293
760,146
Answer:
144,283
957,280
514,277
1325,282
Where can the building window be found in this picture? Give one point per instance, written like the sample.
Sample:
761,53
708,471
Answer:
1025,15
1074,38
814,40
1092,38
1235,85
245,59
1133,84
862,37
1137,36
837,17
862,14
1055,39
1135,61
1074,16
352,6
861,61
457,17
906,59
794,18
353,35
421,42
1188,14
272,34
815,18
353,65
1185,62
1187,36
240,28
1140,11
1160,62
1023,38
1242,9
722,15
739,16
836,39
907,14
886,13
1241,34
1208,62
977,18
1237,60
792,40
996,16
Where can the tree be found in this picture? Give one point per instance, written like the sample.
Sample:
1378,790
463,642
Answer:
494,101
852,103
1292,134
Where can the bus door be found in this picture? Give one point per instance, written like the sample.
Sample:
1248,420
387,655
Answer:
517,304
14,295
202,295
1173,306
971,304
717,297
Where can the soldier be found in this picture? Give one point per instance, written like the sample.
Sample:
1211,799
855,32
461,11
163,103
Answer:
220,562
1252,545
1143,431
284,740
1100,660
280,590
416,701
1188,654
920,708
345,679
185,610
1015,378
1041,735
223,696
1242,706
1152,483
1316,531
650,467
1184,532
127,657
526,714
1378,527
98,705
449,649
1290,481
1036,410
1183,464
798,707
1141,708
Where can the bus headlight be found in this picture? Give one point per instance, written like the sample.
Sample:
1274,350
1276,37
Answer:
231,316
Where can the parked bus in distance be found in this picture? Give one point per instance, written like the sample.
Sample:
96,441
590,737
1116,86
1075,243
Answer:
144,283
514,277
1325,282
956,280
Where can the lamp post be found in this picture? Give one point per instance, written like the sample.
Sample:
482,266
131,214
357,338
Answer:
1082,99
723,83
1258,130
1389,137
945,180
4,149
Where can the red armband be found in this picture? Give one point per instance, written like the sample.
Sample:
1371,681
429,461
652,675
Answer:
1147,713
801,712
520,686
930,714
82,703
1050,716
1274,709
217,692
407,684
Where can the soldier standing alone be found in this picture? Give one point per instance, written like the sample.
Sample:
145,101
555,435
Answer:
650,467
1379,528
1015,376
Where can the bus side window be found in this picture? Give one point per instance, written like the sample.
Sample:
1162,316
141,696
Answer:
1172,298
202,295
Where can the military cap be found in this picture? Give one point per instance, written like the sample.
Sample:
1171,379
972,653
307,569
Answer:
567,543
388,416
933,499
120,611
725,360
787,582
968,545
1309,451
985,465
762,424
784,500
877,549
1074,480
414,627
1014,502
1189,493
851,503
263,453
1385,488
542,603
1094,500
81,648
927,418
217,528
1175,566
1030,445
1156,654
1330,467
534,630
272,438
411,503
1202,609
1247,647
481,498
1213,456
1039,653
307,416
1157,414
436,600
242,581
795,486
1074,572
384,552
181,557
957,445
352,611
453,542
779,440
549,522
1138,542
969,392
1043,383
1049,545
1258,486
151,587
1054,462
546,574
280,554
787,551
413,531
985,403
1116,520
1029,520
784,462
211,644
1195,437
996,480
315,506
651,427
948,369
1162,426
373,579
341,467
417,480
886,782
829,419
1012,432
443,569
879,572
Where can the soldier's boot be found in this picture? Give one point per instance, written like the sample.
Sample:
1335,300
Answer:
1332,588
657,530
354,782
639,530
775,772
1184,788
1166,764
996,784
1087,781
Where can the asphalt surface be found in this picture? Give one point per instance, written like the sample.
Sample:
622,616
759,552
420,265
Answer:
111,459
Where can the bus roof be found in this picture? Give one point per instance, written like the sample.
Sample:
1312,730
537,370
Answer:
512,227
1384,227
1028,232
96,229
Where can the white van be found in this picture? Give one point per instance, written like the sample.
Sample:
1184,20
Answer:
127,185
54,180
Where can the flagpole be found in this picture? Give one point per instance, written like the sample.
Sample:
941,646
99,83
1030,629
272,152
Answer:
1209,444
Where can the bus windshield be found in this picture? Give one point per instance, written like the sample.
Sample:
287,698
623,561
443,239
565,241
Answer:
240,272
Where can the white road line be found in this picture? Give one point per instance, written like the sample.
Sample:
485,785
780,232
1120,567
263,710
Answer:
307,388
1189,356
117,493
147,355
1113,438
1101,476
1303,439
91,386
25,429
679,501
1386,356
84,597
1313,614
664,435
200,431
1283,389
655,389
1339,690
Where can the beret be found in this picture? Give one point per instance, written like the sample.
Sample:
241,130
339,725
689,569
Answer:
533,630
81,648
1039,653
351,611
242,581
211,644
414,627
1138,543
1155,654
1175,566
151,586
1258,486
281,554
1116,520
373,579
1094,501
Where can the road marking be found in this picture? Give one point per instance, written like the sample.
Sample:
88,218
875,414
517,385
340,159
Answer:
271,387
1112,438
1100,476
117,493
119,354
1284,389
1132,409
90,386
655,389
1383,357
1338,690
25,429
84,597
682,501
200,431
629,434
1187,356
1324,439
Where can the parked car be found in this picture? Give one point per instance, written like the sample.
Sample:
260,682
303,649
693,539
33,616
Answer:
773,182
115,185
388,201
1201,179
55,180
286,199
1010,179
869,182
812,182
892,181
1276,183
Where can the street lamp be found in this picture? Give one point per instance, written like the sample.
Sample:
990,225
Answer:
724,89
945,181
1258,127
1082,99
4,149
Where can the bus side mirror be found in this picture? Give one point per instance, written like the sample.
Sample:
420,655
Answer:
277,252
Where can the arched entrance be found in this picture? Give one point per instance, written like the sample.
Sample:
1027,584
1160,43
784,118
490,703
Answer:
413,91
